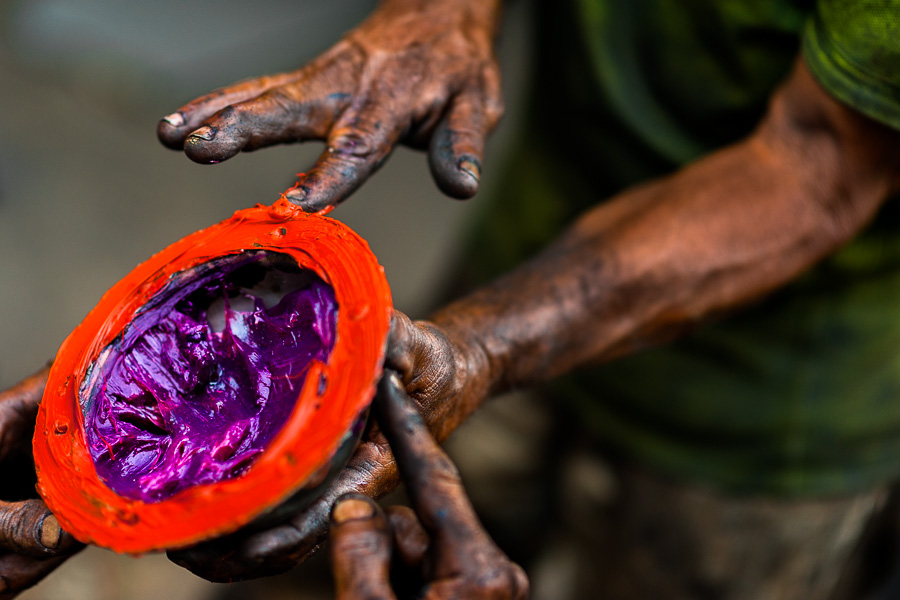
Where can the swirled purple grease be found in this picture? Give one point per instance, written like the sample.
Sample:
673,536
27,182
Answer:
177,404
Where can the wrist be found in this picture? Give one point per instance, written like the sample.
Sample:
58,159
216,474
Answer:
477,374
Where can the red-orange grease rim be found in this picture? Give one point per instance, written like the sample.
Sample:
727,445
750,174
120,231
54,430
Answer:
67,478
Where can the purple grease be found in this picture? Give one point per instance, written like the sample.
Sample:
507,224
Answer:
173,403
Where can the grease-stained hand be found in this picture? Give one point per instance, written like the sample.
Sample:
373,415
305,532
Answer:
419,72
440,551
32,544
446,376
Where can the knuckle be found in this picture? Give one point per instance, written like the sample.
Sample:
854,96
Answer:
227,114
444,471
360,544
279,101
494,110
500,581
346,53
399,351
494,106
20,524
368,467
354,144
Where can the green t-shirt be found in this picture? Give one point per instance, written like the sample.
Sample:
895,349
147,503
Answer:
799,394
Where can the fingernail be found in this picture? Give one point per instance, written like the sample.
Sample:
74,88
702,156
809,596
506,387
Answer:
206,133
51,532
176,119
296,194
395,380
470,167
352,509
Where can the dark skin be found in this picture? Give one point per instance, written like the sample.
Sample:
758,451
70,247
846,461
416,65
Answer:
441,547
718,234
32,543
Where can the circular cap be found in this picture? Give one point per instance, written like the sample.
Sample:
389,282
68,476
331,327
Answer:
331,400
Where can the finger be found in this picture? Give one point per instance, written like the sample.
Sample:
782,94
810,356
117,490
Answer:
457,146
18,573
401,345
302,109
466,562
357,146
18,411
410,539
502,580
174,128
335,70
30,529
360,549
278,116
371,471
431,478
411,351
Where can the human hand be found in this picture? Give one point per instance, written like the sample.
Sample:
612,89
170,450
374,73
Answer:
440,550
445,375
32,543
415,72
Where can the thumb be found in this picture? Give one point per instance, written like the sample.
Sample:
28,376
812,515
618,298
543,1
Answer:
30,528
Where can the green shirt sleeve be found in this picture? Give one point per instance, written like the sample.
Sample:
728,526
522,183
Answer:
852,47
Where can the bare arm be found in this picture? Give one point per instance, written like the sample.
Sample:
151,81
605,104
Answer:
659,258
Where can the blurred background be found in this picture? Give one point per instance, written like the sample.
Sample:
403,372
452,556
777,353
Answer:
86,191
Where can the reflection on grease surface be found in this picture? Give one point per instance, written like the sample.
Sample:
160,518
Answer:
206,374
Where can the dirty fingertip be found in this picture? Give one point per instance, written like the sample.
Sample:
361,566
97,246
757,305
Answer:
352,508
203,134
457,178
176,119
170,135
471,168
310,204
297,195
51,533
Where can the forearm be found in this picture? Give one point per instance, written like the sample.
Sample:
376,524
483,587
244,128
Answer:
660,258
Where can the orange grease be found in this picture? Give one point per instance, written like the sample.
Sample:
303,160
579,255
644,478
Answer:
67,479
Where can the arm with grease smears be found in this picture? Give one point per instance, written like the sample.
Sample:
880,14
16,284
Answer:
660,258
634,271
419,72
